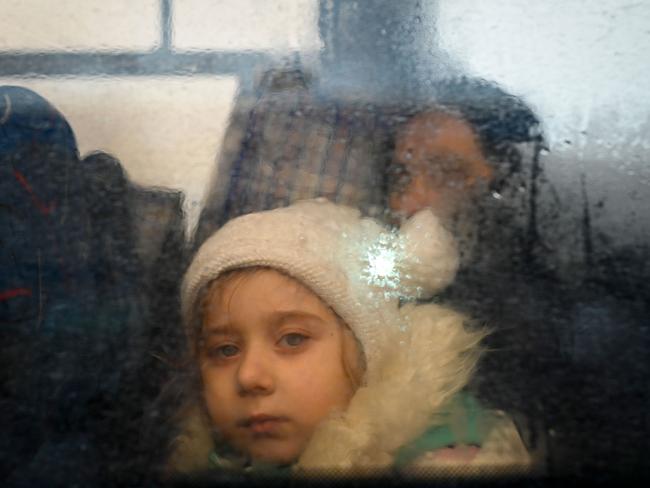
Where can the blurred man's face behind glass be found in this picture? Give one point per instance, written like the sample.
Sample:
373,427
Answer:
437,164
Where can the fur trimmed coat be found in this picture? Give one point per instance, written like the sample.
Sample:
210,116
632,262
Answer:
423,369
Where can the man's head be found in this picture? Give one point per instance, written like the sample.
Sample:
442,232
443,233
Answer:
438,163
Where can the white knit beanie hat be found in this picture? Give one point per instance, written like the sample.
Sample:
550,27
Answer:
355,265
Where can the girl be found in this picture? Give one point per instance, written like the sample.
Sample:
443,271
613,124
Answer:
306,361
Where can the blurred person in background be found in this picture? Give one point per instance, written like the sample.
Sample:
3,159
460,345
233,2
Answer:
461,155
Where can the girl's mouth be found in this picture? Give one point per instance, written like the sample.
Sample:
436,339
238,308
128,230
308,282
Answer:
262,424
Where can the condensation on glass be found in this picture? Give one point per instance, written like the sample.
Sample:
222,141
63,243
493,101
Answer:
132,131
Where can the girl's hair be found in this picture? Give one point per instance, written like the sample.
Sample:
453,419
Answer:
352,352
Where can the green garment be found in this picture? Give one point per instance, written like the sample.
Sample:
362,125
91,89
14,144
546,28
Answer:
464,421
242,465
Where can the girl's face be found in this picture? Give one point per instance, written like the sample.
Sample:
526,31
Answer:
271,360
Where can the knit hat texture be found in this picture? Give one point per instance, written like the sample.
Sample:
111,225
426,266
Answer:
354,264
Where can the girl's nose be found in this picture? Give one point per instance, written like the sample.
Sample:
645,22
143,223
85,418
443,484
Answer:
255,374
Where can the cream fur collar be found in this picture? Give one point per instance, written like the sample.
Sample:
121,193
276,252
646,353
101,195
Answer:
423,367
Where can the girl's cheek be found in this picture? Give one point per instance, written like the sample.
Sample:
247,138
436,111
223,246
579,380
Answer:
214,392
212,379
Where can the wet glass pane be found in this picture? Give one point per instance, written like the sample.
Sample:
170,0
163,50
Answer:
497,152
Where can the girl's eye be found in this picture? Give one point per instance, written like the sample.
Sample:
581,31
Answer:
226,351
293,339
